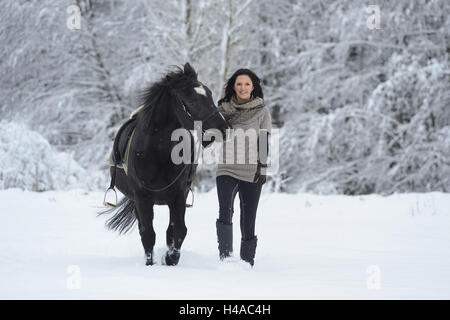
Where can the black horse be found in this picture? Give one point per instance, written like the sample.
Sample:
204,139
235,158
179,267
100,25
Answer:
176,101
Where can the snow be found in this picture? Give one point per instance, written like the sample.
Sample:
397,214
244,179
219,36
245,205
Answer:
53,246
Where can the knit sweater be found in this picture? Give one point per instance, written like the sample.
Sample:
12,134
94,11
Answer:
240,151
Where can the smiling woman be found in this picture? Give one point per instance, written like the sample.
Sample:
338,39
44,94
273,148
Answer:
243,88
243,107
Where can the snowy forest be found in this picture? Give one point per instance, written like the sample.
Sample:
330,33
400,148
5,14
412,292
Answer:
360,91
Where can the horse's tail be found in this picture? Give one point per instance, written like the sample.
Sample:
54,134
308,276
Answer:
124,216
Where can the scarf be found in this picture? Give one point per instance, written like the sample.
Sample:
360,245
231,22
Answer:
238,113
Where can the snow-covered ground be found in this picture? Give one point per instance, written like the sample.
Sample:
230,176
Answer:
52,246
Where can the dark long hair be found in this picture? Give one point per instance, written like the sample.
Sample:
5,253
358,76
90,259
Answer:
229,86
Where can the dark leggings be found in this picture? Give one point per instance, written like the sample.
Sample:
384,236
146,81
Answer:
249,193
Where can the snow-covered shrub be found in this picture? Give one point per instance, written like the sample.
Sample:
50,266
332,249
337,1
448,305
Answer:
332,151
413,149
28,161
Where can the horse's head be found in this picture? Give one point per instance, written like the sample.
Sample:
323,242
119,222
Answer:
195,102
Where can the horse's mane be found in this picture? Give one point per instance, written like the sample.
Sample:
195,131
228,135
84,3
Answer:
159,93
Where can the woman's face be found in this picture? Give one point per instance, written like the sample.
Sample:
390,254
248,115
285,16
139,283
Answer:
243,86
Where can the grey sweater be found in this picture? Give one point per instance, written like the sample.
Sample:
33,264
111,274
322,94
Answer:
240,152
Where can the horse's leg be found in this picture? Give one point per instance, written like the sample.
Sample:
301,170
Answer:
144,208
176,232
169,234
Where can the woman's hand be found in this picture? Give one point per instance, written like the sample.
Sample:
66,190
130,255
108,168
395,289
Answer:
261,179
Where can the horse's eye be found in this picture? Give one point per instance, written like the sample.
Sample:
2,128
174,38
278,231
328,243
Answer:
200,90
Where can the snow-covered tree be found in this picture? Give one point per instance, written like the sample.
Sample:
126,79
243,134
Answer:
330,130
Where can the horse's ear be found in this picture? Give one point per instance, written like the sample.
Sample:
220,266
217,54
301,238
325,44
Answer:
189,71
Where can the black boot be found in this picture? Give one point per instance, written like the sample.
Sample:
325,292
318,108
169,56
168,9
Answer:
225,239
248,249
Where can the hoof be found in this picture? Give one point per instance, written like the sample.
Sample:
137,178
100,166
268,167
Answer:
172,257
149,259
224,256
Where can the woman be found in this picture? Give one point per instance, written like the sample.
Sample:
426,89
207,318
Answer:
243,107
